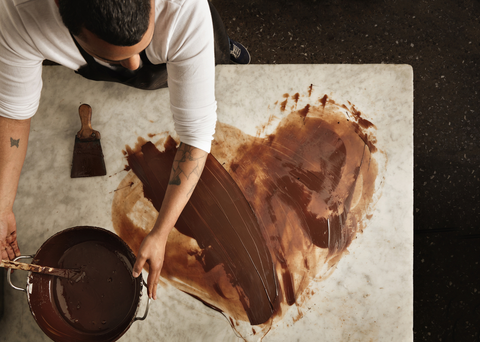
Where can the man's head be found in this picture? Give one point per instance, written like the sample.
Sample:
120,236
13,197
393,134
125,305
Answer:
115,31
118,22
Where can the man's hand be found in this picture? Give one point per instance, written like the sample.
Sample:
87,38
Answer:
152,252
8,236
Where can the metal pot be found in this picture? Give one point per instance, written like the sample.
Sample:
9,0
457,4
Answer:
103,304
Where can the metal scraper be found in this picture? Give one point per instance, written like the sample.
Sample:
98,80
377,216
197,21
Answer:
87,152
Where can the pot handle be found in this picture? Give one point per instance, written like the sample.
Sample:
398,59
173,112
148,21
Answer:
146,310
9,273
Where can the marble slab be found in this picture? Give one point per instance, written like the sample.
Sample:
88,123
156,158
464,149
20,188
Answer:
368,297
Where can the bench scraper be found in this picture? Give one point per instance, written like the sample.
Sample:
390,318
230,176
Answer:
87,153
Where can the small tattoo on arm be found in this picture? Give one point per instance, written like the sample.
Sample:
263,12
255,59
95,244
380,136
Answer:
14,142
190,163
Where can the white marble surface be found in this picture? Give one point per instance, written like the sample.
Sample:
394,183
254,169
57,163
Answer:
368,297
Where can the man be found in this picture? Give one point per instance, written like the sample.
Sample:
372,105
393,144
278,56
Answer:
145,44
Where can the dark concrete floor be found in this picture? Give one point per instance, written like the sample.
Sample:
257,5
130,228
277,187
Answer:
440,39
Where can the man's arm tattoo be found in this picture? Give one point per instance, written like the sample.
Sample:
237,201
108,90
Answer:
189,162
14,142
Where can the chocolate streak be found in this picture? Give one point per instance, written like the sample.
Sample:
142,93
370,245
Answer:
300,181
219,218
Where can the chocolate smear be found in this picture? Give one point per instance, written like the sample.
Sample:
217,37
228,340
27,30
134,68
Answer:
304,112
302,193
219,218
323,100
296,97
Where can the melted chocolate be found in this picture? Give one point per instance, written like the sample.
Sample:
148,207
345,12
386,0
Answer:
223,224
310,185
323,100
296,97
304,112
290,182
92,304
361,121
98,307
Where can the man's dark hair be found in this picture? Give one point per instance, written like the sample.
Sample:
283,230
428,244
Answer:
118,22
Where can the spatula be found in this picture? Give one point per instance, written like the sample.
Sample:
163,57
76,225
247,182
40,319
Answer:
87,152
72,274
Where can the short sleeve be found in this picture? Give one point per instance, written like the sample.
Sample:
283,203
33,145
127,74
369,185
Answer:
20,90
191,74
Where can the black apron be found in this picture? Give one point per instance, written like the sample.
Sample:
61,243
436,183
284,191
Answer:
151,76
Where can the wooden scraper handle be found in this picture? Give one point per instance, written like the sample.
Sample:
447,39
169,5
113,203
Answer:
59,272
86,132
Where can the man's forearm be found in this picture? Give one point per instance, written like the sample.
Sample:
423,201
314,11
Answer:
186,171
13,148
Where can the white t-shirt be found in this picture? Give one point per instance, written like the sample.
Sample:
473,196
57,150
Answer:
32,30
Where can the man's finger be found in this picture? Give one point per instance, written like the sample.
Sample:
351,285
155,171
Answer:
10,252
4,253
138,267
11,238
151,282
11,245
154,290
16,249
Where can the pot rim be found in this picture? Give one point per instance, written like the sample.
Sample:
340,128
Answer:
136,297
